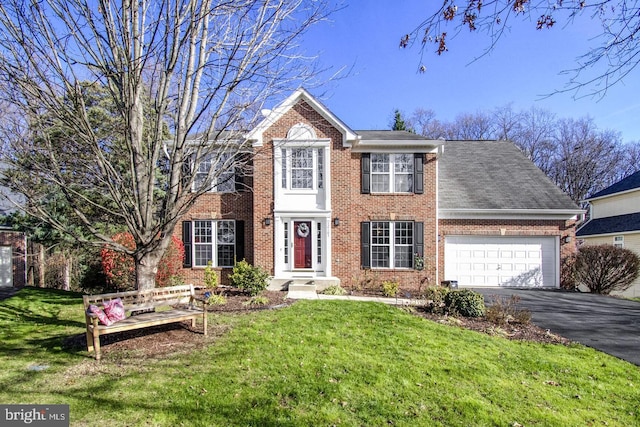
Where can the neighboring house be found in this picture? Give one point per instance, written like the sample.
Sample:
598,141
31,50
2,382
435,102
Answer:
325,204
615,219
13,264
13,245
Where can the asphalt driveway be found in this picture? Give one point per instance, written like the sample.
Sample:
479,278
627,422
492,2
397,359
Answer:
611,325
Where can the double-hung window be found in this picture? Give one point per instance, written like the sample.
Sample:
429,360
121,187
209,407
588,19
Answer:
302,168
215,242
391,244
392,173
223,180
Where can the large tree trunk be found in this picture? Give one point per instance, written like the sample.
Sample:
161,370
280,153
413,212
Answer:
146,269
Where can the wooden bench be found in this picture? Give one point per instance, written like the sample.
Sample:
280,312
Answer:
158,306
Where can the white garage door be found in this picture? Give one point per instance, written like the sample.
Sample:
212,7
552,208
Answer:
502,261
6,266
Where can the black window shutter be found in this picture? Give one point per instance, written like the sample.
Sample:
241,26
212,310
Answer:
365,243
186,240
239,241
418,173
418,239
366,173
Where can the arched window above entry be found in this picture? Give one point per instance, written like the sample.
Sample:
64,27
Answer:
301,131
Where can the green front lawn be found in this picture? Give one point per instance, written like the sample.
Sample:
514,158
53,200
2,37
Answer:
314,363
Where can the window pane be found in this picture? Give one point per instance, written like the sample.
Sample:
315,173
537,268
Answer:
284,167
380,183
320,168
203,254
380,173
286,242
202,171
302,179
404,183
403,248
202,232
225,181
403,163
319,243
226,238
379,163
380,245
302,168
226,255
380,257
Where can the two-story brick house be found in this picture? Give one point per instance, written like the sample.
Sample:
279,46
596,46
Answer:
327,204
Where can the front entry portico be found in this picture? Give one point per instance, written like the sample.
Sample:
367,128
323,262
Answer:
302,251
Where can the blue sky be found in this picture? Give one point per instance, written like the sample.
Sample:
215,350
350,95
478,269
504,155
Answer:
363,39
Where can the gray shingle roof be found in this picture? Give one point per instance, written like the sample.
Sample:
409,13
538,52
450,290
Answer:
390,135
494,175
611,224
629,183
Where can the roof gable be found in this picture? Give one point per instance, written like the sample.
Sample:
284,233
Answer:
274,115
632,182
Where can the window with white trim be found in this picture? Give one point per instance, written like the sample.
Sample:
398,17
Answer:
392,173
224,173
302,168
392,244
214,241
618,241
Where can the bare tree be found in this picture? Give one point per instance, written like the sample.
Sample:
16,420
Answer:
181,78
580,158
424,122
585,158
470,126
534,135
615,54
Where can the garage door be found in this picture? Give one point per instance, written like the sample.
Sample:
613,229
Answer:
502,261
6,267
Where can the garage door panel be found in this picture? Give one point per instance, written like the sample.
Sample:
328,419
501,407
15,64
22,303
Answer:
522,261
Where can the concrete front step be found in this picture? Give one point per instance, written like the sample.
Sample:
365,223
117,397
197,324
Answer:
284,284
302,287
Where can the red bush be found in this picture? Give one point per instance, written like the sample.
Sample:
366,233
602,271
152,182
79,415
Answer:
119,268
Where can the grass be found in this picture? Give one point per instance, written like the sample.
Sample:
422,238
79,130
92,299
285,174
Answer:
313,363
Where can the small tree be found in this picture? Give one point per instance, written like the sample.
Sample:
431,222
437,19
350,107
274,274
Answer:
606,268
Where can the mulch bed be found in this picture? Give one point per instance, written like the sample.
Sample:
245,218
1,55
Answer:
165,340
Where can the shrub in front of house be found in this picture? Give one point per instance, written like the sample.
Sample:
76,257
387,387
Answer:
390,288
503,311
465,302
434,297
334,290
248,278
606,268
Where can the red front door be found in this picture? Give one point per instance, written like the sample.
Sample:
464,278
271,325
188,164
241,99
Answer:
302,244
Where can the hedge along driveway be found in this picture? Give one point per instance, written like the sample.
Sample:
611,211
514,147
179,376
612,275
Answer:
606,323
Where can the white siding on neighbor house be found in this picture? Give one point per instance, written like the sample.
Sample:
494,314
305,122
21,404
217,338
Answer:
6,266
508,261
619,204
631,241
